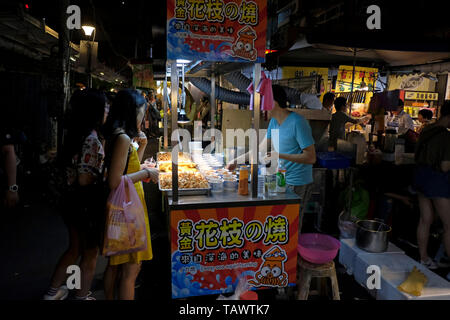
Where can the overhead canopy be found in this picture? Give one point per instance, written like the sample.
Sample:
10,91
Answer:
409,34
332,55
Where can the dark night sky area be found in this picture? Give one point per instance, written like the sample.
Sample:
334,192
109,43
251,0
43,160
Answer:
119,24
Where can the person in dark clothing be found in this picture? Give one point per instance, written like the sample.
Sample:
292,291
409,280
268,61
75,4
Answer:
432,181
425,118
339,121
328,101
83,200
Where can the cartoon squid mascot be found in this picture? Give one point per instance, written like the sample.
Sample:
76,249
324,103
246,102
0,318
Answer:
271,272
244,47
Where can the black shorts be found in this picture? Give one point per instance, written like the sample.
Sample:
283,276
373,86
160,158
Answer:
83,208
432,183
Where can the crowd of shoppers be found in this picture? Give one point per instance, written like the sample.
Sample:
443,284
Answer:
102,144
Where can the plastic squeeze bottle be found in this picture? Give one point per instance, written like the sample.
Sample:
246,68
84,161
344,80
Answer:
243,181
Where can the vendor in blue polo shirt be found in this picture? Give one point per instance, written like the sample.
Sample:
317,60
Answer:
294,147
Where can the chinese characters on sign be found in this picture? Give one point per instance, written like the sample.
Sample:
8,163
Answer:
430,96
230,234
365,79
216,30
211,248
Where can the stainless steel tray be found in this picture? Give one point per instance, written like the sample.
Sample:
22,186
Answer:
185,192
160,162
164,152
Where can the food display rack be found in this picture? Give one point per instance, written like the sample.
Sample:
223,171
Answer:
193,208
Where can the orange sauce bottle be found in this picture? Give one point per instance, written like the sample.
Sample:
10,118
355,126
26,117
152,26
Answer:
243,181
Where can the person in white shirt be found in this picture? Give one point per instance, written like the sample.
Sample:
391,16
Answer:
310,101
400,119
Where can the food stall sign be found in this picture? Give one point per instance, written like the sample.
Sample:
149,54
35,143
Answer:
143,76
217,30
362,75
212,248
411,82
430,96
364,80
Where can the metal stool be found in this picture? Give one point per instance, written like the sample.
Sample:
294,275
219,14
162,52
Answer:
307,271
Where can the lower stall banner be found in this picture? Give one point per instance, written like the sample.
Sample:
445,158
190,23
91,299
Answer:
212,248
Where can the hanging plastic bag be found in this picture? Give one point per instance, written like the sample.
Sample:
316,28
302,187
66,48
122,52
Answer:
360,200
125,221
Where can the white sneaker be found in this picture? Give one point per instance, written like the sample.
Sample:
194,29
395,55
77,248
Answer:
61,294
88,298
430,264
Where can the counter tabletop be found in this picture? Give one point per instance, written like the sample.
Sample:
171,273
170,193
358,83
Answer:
231,199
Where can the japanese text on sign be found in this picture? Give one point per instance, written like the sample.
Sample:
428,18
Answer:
228,234
216,30
216,11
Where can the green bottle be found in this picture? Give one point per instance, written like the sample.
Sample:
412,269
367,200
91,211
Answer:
281,179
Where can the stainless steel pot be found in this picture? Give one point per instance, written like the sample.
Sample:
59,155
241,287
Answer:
372,235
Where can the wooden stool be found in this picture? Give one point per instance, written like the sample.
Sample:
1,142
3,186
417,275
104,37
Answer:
308,270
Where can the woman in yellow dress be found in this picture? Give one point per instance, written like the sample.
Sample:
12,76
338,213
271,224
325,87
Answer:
122,130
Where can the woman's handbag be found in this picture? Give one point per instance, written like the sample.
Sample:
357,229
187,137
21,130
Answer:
125,230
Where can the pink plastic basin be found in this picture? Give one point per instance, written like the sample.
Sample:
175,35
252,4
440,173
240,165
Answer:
318,248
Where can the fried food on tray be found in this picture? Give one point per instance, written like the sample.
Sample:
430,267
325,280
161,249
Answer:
182,157
182,167
186,180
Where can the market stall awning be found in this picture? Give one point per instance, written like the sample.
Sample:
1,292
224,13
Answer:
389,57
331,55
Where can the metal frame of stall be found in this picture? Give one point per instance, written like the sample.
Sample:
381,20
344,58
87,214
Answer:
174,118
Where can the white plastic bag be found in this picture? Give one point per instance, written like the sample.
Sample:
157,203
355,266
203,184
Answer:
242,287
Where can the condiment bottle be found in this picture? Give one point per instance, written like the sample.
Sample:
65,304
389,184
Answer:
243,181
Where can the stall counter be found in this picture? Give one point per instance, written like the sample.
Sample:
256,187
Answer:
216,239
231,199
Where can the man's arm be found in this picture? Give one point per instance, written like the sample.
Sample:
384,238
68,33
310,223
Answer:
308,156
